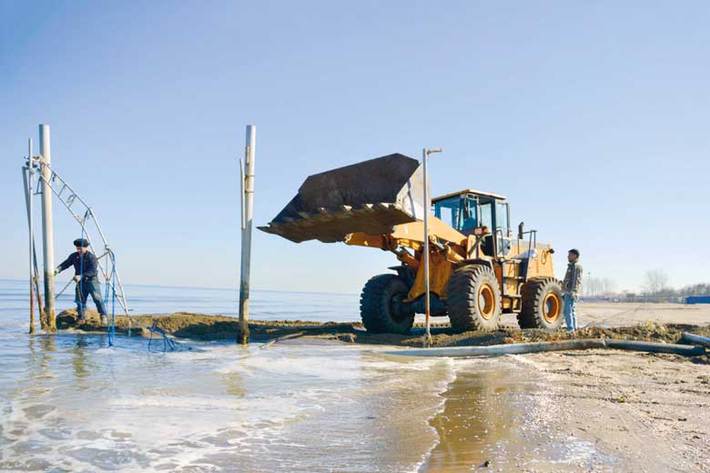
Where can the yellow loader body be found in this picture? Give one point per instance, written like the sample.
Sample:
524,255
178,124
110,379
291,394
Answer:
379,204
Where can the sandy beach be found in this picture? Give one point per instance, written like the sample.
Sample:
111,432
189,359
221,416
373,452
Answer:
603,410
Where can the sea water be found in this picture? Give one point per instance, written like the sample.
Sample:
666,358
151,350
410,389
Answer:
68,402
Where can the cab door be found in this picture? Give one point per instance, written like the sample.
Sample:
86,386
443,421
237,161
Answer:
486,211
502,228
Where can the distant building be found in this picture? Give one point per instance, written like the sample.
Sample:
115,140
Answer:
697,300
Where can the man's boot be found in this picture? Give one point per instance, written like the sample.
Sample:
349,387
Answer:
80,318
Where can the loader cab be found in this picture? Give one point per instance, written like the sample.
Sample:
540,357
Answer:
470,209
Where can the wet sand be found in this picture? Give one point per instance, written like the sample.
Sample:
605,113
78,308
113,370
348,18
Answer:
576,411
586,410
647,412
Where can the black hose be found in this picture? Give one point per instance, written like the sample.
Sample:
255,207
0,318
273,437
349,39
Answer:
581,344
694,339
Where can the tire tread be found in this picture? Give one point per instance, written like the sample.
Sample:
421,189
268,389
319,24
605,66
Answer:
533,292
462,298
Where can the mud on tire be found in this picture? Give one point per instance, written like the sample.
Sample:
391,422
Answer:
542,304
474,299
381,309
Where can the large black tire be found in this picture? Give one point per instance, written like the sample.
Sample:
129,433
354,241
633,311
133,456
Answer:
542,304
474,298
381,307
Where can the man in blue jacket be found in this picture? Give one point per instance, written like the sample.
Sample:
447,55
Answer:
86,267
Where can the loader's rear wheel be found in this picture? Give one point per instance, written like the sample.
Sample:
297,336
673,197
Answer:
474,299
541,304
381,305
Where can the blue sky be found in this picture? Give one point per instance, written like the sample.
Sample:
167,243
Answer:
592,117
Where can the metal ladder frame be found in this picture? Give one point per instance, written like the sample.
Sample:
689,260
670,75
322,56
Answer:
83,214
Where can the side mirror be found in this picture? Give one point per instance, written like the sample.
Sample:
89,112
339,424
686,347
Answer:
521,230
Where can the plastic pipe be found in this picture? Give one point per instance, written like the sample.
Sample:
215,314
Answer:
581,344
691,338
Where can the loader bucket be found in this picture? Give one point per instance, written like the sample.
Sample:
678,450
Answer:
370,196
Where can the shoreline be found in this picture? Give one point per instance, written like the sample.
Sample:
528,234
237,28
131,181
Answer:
561,411
204,327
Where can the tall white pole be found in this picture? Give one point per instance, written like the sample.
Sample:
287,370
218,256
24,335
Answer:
247,175
47,228
427,206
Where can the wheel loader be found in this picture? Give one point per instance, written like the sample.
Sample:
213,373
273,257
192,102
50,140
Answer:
478,269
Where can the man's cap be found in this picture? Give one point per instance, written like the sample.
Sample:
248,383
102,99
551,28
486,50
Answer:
575,251
81,242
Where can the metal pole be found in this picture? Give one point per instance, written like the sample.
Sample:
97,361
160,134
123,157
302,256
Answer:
247,188
47,228
427,300
427,205
27,174
38,293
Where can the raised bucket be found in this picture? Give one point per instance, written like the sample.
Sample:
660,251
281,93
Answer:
370,197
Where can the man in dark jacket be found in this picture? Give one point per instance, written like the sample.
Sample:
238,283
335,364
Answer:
571,287
86,267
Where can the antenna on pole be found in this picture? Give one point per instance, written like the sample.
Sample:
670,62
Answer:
427,206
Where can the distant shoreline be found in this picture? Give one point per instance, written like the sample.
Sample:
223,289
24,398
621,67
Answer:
235,288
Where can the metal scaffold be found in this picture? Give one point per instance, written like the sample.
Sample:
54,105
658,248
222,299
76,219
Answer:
51,183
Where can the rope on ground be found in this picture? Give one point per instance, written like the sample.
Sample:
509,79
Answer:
169,343
285,337
581,344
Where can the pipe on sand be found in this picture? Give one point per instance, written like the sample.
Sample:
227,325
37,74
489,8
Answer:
581,344
693,339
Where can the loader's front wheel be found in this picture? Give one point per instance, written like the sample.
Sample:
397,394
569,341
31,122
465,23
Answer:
541,304
381,305
474,299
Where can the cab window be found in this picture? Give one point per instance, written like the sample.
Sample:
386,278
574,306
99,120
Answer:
459,212
502,217
487,215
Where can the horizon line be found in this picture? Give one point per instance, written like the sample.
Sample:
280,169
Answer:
236,289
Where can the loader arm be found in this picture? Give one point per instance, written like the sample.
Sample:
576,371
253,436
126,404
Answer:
444,239
375,203
447,249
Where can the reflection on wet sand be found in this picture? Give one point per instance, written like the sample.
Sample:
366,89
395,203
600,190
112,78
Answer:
79,361
42,350
480,416
234,384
